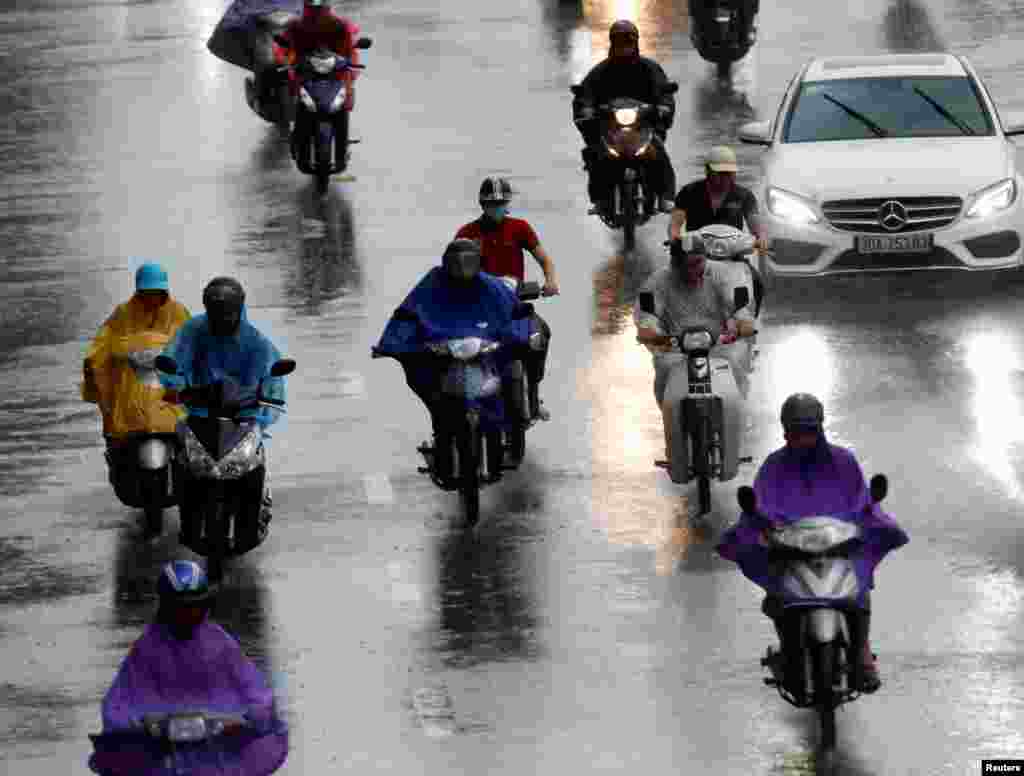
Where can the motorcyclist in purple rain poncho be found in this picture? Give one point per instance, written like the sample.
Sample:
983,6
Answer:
810,476
184,662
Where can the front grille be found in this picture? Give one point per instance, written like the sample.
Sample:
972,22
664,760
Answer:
862,215
849,261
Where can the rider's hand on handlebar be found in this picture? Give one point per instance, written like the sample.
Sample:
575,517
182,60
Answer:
761,245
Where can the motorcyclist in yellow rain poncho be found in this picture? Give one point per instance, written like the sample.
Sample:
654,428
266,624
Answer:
118,371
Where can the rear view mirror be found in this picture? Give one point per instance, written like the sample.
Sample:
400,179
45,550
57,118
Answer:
757,133
740,298
166,364
283,367
672,88
879,487
364,43
747,499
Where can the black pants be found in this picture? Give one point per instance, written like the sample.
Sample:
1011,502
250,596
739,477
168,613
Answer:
661,176
305,127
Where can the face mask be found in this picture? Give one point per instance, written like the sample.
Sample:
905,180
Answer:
496,213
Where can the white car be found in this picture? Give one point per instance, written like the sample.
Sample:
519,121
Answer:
886,163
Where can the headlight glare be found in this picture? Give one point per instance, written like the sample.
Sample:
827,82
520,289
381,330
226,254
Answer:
993,199
626,116
790,207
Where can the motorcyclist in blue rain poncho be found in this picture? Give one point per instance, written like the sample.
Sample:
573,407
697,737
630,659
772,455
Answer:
222,344
453,300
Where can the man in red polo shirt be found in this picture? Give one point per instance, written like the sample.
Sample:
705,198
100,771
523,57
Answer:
502,243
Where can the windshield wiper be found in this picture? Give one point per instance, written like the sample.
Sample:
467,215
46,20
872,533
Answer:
879,131
941,109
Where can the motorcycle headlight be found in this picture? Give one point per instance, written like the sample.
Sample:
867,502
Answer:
470,347
307,101
200,463
626,116
790,207
338,100
697,340
816,535
322,65
243,458
186,729
992,199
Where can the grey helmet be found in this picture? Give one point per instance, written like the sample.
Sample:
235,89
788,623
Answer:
461,260
802,412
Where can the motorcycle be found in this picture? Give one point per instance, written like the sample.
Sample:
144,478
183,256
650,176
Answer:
723,31
627,132
139,467
186,742
477,432
704,423
221,467
819,583
730,249
322,95
276,103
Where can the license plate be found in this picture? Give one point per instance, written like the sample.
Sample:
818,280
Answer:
892,243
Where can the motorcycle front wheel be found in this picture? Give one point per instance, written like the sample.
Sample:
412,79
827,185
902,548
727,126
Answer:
824,695
629,216
468,447
217,527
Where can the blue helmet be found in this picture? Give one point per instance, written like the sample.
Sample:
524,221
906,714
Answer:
151,277
184,582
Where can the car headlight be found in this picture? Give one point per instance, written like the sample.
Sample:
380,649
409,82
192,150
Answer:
626,116
790,207
697,340
307,101
992,199
338,100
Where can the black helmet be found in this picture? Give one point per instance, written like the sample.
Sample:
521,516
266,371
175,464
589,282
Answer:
495,190
802,412
461,259
184,583
223,299
623,28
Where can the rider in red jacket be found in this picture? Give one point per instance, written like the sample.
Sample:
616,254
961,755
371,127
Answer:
319,27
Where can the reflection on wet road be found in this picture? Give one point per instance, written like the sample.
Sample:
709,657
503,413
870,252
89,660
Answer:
587,624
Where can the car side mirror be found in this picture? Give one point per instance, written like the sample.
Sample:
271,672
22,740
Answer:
740,298
364,43
166,364
283,367
746,497
879,487
756,133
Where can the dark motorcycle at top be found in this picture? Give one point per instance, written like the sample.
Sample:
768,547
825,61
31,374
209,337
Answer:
322,96
723,31
274,101
220,470
480,421
627,135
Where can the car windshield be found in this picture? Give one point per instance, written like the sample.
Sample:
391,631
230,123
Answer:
866,108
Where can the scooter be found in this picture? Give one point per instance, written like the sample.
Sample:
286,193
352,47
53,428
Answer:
723,31
322,96
187,742
820,585
627,133
703,421
480,425
221,467
139,467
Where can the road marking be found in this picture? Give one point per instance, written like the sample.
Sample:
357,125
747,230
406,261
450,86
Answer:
378,488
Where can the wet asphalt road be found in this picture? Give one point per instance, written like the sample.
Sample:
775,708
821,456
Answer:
585,627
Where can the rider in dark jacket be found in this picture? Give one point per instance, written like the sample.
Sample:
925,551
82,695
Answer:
625,74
